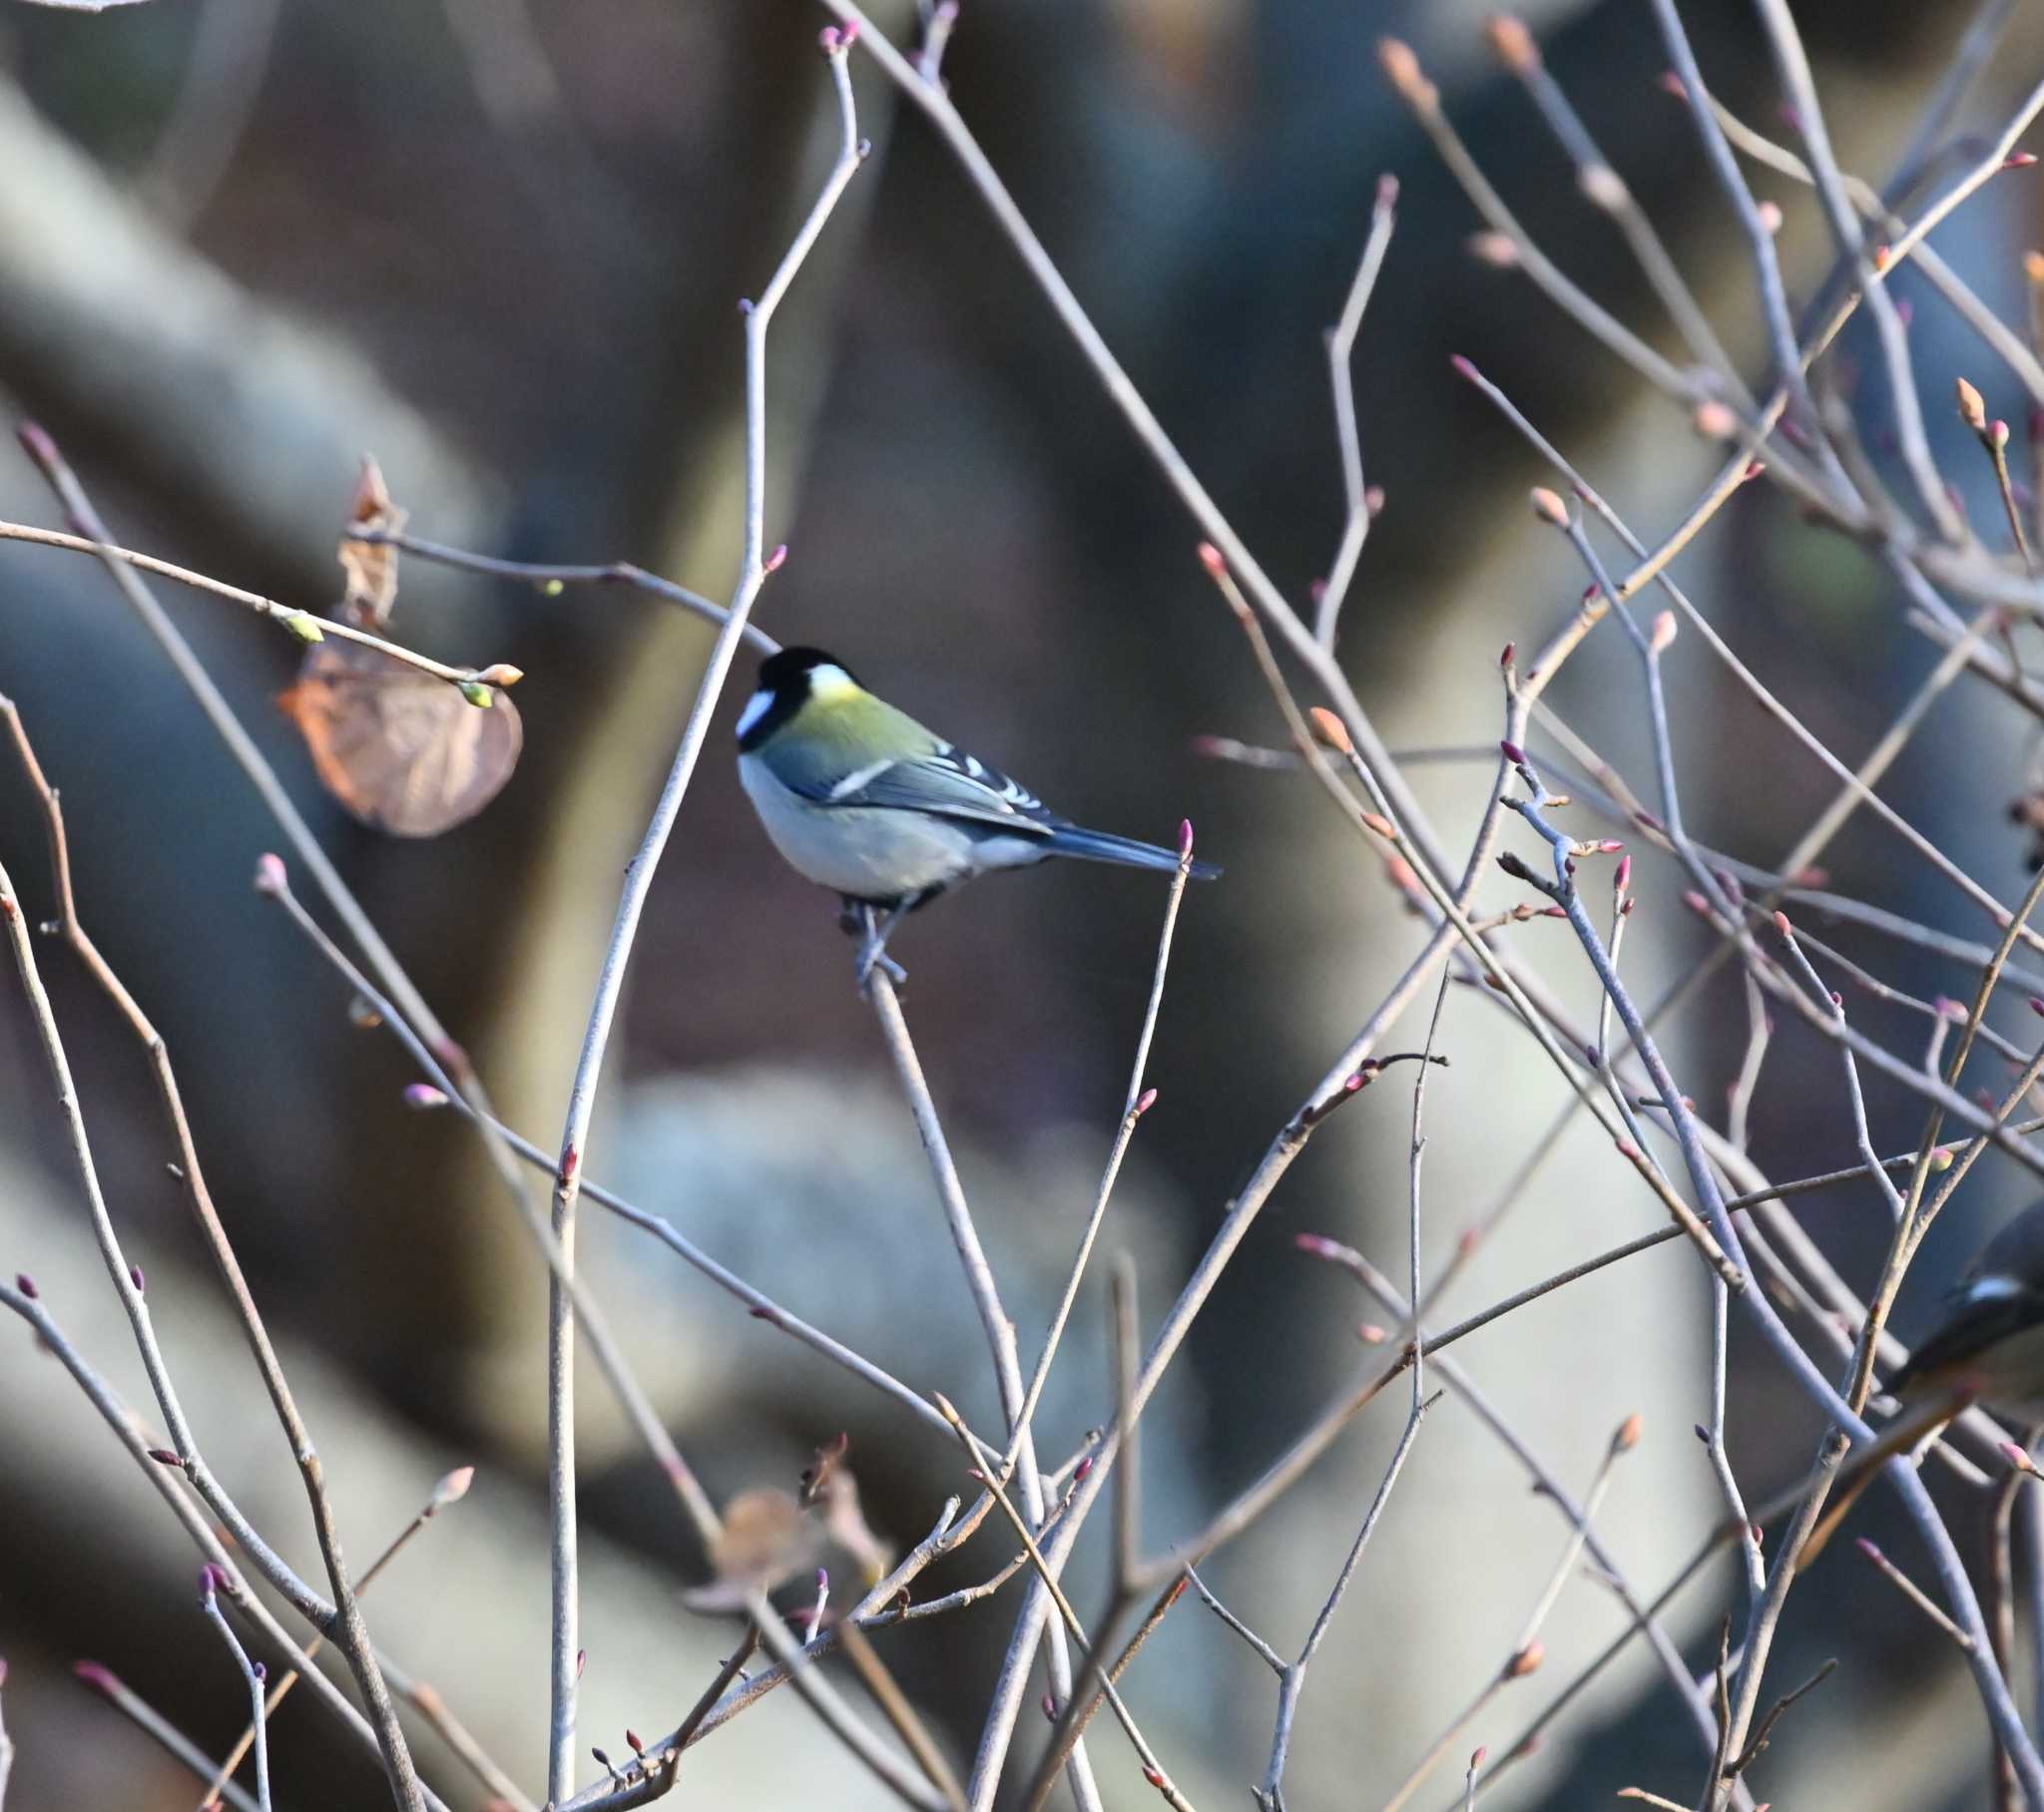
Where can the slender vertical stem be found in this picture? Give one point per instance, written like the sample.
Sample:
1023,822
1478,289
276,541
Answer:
251,1671
565,1643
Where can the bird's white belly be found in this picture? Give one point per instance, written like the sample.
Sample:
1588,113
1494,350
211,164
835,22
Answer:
879,854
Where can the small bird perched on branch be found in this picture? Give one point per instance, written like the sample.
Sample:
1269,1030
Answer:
860,798
1989,1350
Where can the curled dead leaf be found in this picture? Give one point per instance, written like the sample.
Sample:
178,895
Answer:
372,568
404,753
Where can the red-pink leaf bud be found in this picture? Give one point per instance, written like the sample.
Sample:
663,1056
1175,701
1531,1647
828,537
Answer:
1972,410
1401,69
1330,729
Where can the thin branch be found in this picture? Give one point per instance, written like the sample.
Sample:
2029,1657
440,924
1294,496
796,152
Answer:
449,1489
212,703
302,624
345,1625
1608,191
1291,1675
1265,1652
908,1784
565,1644
1913,1593
352,1634
1751,1752
1153,1769
1793,65
211,1582
1000,1336
1341,378
878,1607
2019,358
901,1714
24,1300
1136,1102
440,1093
160,1730
1848,1425
551,577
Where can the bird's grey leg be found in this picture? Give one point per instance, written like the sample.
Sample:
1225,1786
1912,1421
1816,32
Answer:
872,950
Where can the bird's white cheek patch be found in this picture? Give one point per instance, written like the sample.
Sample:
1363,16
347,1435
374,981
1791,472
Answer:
756,706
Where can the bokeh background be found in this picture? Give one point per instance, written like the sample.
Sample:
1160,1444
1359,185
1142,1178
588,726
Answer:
501,245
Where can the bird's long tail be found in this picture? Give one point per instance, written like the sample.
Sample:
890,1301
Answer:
1100,846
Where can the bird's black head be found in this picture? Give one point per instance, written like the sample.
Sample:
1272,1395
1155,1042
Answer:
784,685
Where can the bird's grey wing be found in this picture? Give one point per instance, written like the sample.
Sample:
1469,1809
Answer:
945,781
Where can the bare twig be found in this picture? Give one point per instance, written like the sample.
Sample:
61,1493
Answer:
550,577
1291,1675
1846,1422
211,1580
164,1734
440,1092
446,1490
901,1714
1134,1106
302,624
353,1633
908,1784
565,1645
1913,1593
1153,1769
1000,1335
1607,190
1342,376
22,1300
344,1623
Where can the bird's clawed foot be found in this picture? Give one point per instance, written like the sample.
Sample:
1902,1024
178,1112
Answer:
873,933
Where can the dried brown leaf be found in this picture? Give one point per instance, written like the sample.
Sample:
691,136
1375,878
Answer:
404,753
